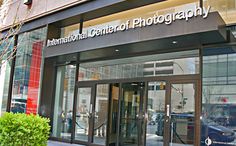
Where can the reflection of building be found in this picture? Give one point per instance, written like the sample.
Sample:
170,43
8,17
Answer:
107,72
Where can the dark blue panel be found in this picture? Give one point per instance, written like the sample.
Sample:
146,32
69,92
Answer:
218,51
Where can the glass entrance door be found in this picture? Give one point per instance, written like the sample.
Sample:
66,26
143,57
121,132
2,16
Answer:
84,113
155,110
182,116
131,128
181,113
155,113
91,114
170,110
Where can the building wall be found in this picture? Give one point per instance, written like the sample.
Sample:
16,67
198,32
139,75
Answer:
37,82
40,8
18,10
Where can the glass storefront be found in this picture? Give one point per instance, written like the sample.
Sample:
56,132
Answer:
27,73
141,100
6,56
63,104
218,95
134,113
156,112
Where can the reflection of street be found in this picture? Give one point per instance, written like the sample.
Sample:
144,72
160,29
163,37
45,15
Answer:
99,140
154,140
228,144
222,143
151,129
151,138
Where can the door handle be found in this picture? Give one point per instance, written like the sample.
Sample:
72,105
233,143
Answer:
168,110
141,116
138,116
145,116
167,113
90,111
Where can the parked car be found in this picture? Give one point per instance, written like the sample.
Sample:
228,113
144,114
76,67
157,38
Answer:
216,132
18,105
209,128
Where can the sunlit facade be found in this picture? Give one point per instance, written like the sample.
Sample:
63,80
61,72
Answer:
125,73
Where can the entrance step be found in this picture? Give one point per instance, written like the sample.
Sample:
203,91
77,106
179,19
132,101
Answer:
56,143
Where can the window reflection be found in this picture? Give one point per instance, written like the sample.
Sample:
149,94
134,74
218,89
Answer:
101,110
83,114
155,113
6,55
141,66
218,96
182,113
63,104
27,71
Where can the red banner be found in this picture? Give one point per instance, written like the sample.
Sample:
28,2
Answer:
34,78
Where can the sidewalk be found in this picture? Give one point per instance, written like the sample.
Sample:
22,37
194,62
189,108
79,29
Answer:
56,143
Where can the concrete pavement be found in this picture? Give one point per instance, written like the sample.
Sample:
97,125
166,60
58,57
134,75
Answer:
56,143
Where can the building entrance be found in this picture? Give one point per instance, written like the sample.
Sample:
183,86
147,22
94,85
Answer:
138,112
92,114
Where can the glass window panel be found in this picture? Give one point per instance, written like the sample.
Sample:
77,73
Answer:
182,114
26,82
232,80
63,105
83,110
222,68
218,98
6,55
101,110
141,66
209,69
131,124
113,117
70,30
231,65
156,113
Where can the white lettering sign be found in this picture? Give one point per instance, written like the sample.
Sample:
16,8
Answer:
134,23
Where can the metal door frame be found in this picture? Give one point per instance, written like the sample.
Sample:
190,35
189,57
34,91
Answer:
93,86
173,79
90,125
197,109
141,109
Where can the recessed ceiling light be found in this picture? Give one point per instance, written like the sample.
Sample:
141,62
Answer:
174,42
117,50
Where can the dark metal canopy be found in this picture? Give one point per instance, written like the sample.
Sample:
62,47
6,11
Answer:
156,38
